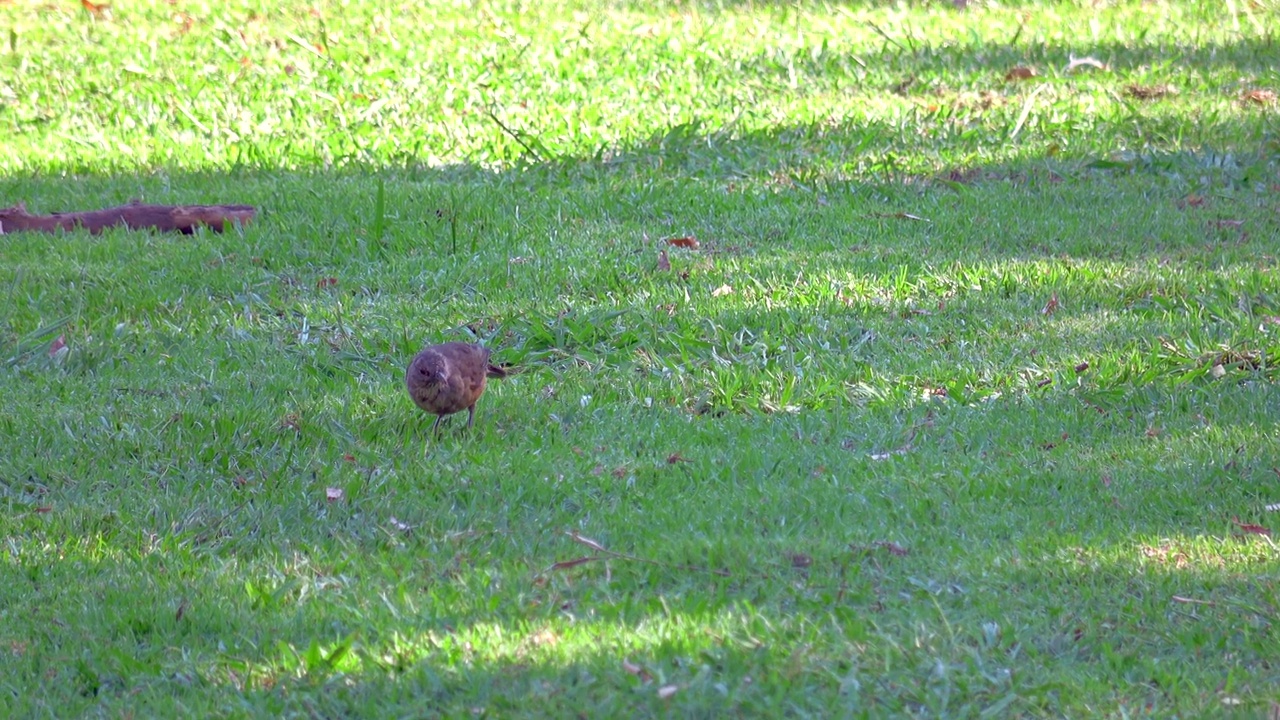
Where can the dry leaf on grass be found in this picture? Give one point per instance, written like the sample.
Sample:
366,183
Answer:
893,548
333,494
1052,306
634,669
1259,96
666,691
1251,528
664,265
687,241
1150,92
1021,72
722,290
95,9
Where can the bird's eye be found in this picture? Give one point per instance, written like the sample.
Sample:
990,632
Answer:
422,371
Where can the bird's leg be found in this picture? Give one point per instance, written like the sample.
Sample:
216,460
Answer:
435,426
471,415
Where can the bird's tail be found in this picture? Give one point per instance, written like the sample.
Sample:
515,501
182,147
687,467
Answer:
494,371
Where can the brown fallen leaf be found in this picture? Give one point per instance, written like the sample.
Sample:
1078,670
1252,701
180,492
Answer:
893,547
1259,96
1052,306
1150,92
59,345
1021,72
634,669
800,560
44,509
687,241
664,264
674,458
95,9
1251,528
1082,367
185,21
1191,201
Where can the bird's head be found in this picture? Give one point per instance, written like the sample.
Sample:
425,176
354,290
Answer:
428,370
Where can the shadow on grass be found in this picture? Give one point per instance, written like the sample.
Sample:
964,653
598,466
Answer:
1014,577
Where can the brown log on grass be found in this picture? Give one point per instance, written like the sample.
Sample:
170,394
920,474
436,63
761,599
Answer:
136,216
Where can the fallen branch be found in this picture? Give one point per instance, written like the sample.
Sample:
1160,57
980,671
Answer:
136,216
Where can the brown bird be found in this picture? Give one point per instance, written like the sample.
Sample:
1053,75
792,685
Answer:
444,379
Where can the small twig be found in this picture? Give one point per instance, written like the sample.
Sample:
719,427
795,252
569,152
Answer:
604,552
514,135
885,35
1225,603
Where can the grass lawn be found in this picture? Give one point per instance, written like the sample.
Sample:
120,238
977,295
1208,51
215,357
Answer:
964,405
